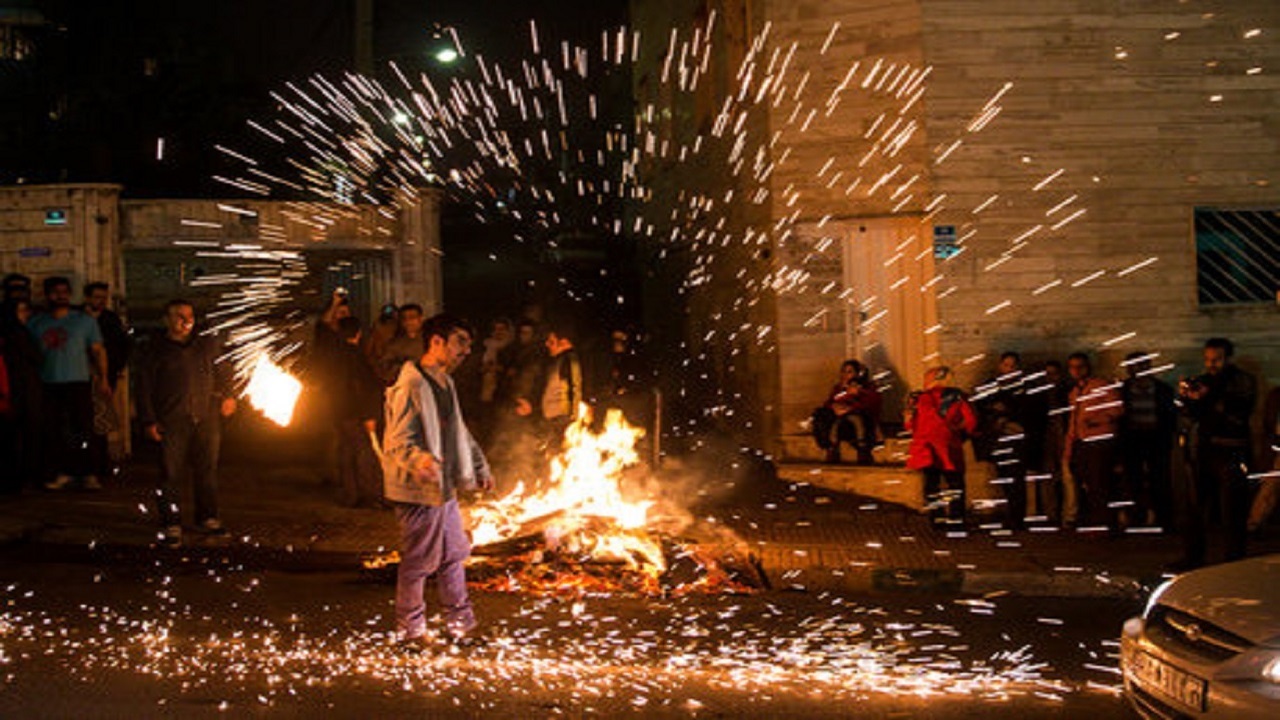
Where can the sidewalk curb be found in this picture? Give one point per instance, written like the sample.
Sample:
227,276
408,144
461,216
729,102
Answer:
952,581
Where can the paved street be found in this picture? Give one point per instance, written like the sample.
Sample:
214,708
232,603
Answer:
187,639
868,611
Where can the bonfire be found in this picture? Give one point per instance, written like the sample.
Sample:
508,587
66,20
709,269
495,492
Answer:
591,527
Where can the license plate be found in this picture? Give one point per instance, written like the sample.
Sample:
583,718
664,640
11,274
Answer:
1181,686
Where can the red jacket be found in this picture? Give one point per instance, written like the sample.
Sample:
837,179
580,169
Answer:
939,421
856,399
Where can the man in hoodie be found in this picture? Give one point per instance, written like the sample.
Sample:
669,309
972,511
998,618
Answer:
428,456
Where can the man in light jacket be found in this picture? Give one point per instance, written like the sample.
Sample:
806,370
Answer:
428,455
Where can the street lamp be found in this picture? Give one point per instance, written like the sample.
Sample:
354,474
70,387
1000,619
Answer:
446,55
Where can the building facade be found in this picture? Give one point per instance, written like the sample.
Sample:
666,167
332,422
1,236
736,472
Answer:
949,179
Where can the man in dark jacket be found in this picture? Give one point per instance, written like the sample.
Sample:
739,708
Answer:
118,345
183,394
357,404
20,437
1146,441
1215,437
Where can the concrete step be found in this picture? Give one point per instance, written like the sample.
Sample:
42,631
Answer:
890,483
802,448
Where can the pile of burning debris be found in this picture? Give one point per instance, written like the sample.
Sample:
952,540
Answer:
580,533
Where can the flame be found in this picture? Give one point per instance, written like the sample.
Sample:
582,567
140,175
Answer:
272,390
582,510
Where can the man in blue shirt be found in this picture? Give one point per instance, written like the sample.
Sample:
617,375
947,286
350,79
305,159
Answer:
75,366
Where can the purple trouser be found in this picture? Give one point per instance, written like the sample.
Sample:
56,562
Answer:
432,542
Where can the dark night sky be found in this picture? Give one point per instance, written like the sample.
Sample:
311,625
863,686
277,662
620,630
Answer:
112,77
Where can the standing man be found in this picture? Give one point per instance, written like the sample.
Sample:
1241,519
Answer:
1264,503
116,341
74,368
1001,404
21,439
356,396
1090,451
1216,407
182,392
561,387
428,455
407,345
1146,435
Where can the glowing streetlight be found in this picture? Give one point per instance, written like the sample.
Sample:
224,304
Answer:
446,55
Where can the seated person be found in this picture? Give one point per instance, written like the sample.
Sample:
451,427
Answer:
852,410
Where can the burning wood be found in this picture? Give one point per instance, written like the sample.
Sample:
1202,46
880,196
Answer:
582,533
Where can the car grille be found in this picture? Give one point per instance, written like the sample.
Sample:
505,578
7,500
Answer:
1192,637
1149,706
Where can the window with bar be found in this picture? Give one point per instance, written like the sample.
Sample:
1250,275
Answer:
1237,256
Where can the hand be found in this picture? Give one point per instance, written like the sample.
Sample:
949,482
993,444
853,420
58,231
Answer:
370,426
228,406
485,482
103,387
427,469
523,408
153,431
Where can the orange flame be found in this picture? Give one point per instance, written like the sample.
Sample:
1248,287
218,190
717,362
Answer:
582,509
273,391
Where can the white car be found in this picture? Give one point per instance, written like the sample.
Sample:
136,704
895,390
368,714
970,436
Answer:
1208,644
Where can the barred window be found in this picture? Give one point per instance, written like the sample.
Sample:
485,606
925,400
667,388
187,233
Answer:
1237,256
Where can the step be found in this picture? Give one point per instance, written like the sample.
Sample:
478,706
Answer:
890,483
803,448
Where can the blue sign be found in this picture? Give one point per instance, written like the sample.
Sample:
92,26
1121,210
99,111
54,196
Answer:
35,252
55,216
945,243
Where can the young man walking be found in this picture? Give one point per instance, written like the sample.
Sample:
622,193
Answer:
428,456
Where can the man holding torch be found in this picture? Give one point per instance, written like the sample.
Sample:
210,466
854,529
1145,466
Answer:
428,456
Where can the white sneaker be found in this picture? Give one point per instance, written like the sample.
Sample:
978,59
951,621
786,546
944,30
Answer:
91,483
58,483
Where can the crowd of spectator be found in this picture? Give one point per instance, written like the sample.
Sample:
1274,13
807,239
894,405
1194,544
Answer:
1082,452
522,380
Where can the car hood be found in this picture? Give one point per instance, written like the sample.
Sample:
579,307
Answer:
1240,597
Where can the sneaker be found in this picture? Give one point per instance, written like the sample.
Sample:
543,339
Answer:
213,526
91,483
58,483
172,536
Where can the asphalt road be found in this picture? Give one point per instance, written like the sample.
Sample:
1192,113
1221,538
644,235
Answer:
206,639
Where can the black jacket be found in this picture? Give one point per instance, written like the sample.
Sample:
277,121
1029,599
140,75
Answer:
177,380
1222,414
357,388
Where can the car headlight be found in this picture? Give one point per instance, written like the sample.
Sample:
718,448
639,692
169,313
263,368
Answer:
1271,671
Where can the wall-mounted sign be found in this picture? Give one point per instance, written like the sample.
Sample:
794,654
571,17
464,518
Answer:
32,252
55,216
945,243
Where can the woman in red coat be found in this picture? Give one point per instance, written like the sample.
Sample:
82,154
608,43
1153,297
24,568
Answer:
939,419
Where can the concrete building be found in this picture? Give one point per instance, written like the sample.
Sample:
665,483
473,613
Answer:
208,251
947,179
153,250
